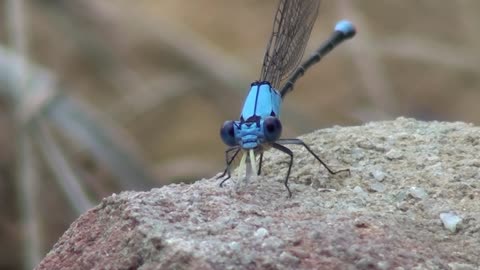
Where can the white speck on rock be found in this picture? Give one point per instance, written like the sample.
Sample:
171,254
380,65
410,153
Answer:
360,191
377,187
400,196
261,233
289,258
365,144
383,265
418,193
378,175
272,243
450,221
394,154
234,246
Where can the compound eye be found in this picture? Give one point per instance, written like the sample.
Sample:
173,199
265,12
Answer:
272,128
227,133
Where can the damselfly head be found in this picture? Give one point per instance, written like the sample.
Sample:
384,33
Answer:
251,135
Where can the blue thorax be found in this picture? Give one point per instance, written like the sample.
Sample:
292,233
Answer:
262,101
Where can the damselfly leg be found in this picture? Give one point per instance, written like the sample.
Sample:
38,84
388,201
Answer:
300,142
260,164
278,145
228,160
290,153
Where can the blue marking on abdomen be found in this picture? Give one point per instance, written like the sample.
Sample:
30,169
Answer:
261,101
345,27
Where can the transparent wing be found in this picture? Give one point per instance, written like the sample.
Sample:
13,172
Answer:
291,30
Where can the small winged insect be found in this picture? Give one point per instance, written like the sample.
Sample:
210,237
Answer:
259,127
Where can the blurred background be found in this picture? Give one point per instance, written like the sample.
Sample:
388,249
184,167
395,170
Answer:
103,96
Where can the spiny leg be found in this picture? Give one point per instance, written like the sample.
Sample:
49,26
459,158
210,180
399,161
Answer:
228,159
260,164
227,152
300,142
228,163
290,153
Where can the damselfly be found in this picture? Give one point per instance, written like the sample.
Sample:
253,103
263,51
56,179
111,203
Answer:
259,127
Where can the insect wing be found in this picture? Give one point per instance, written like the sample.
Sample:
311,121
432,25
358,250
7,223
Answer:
292,26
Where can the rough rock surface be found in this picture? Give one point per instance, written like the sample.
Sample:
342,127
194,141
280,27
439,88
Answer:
385,215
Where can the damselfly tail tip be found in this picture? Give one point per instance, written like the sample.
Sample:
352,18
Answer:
346,28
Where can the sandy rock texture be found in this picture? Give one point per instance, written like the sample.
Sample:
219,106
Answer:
405,175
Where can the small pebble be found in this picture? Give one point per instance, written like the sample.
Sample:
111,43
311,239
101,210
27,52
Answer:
288,258
418,193
394,154
360,192
272,243
261,233
400,196
378,175
365,263
402,206
365,144
450,221
383,265
315,235
358,189
235,246
377,187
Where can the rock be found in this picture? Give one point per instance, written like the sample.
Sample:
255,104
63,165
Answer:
378,175
461,266
418,193
376,187
203,226
261,233
358,190
450,221
394,154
